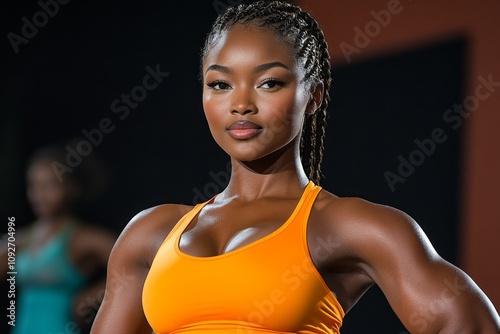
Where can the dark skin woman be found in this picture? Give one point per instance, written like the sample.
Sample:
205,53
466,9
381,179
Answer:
266,77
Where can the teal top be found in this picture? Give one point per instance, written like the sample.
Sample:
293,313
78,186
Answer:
48,283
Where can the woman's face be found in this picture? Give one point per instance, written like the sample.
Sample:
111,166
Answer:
254,95
48,197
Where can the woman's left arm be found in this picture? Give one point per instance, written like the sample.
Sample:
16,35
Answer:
428,294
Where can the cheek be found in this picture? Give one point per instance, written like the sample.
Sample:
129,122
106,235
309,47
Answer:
210,108
290,112
47,195
208,104
213,109
57,194
54,194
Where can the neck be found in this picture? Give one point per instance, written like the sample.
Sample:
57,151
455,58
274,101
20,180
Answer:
55,220
277,174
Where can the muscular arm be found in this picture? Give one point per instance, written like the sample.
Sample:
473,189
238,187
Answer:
121,310
428,294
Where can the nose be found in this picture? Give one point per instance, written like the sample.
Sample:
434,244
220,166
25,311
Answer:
243,102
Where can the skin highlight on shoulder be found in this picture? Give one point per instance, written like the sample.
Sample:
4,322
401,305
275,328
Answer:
365,224
150,227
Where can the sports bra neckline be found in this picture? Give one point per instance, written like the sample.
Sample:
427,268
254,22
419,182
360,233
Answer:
187,220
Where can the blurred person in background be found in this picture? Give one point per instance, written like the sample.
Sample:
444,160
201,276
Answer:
61,259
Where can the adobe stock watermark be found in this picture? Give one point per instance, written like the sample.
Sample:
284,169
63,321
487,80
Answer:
372,29
121,107
453,118
219,181
441,303
30,28
290,281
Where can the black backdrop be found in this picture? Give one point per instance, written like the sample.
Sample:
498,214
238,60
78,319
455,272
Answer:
380,110
65,78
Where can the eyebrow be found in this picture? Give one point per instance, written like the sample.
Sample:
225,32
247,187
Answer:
264,67
218,68
256,69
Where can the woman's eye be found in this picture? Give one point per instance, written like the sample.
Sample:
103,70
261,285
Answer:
272,84
218,85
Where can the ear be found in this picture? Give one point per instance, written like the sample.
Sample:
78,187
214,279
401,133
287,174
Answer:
315,97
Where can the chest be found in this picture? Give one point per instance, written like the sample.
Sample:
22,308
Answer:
222,229
260,282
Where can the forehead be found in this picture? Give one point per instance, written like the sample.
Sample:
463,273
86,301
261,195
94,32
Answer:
248,44
40,167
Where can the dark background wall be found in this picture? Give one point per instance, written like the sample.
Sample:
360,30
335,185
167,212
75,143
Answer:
380,147
65,79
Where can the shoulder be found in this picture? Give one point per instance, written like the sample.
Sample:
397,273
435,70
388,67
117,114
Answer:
155,220
388,247
369,231
17,239
128,266
145,232
354,212
357,210
87,234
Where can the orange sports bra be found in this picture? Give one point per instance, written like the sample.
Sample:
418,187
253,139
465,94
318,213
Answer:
268,286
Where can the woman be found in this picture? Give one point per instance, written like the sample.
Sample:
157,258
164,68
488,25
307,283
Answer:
60,260
274,253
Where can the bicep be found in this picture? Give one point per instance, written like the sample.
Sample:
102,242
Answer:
441,297
427,293
121,310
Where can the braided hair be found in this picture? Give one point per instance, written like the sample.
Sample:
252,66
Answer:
303,35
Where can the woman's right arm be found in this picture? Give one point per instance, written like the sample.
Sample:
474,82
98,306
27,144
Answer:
121,309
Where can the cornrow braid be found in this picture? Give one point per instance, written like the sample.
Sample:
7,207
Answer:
302,33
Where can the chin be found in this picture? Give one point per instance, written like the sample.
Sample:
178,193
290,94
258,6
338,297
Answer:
254,149
244,157
251,155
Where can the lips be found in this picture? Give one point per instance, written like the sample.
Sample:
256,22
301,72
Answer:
243,130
